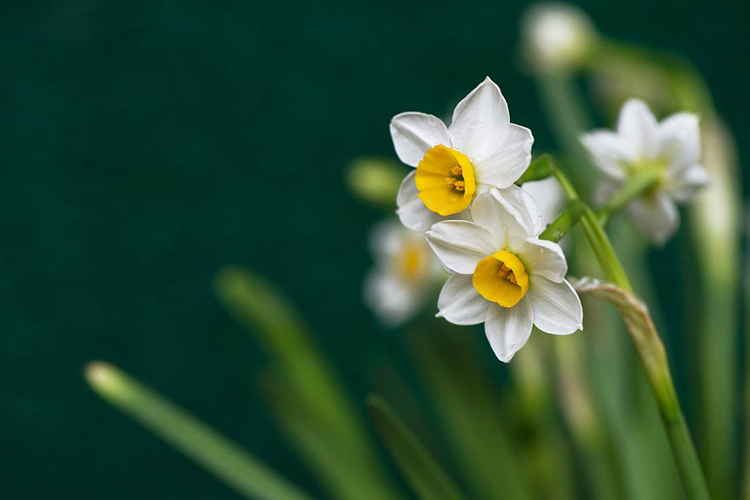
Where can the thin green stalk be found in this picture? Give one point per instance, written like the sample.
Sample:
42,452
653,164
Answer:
596,236
640,182
652,354
205,446
567,219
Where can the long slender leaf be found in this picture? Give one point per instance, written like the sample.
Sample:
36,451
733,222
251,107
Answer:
280,330
214,452
422,472
473,420
319,444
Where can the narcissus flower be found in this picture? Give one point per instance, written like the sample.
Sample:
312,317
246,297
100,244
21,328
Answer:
404,274
503,275
481,149
671,148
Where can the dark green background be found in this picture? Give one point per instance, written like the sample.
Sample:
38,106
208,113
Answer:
145,144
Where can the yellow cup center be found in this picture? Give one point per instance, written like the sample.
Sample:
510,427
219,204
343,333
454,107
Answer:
412,261
501,278
445,180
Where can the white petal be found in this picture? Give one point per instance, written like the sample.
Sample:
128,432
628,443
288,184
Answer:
460,244
508,329
657,216
502,165
411,210
414,133
386,238
679,138
687,182
549,196
604,190
392,300
480,121
460,303
556,306
544,258
639,127
510,215
609,152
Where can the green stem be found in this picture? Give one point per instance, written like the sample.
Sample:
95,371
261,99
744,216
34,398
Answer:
637,184
652,354
567,219
596,236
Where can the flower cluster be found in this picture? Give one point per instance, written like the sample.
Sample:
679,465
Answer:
462,200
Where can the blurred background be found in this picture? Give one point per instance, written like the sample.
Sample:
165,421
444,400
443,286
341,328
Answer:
144,145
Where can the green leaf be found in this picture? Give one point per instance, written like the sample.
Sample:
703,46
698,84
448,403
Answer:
343,474
280,330
475,423
209,449
422,472
540,168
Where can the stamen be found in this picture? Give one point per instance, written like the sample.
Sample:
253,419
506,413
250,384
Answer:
507,273
457,171
450,181
459,186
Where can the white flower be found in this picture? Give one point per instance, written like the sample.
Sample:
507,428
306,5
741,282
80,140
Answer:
481,149
404,273
503,275
672,147
557,36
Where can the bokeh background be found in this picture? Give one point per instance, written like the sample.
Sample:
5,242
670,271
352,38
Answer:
144,145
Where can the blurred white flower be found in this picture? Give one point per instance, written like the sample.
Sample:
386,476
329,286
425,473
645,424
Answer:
503,275
481,149
672,148
556,36
404,273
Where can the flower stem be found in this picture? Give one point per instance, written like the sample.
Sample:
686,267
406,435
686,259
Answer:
596,236
637,184
652,353
567,219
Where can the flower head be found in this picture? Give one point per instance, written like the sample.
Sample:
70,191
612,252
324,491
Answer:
404,273
672,148
481,149
502,274
557,36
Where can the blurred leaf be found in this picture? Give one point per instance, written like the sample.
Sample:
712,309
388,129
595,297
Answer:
206,447
343,475
422,472
654,359
468,407
717,235
375,180
278,328
640,451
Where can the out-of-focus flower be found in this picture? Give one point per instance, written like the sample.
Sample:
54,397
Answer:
671,148
404,273
503,275
557,36
481,149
